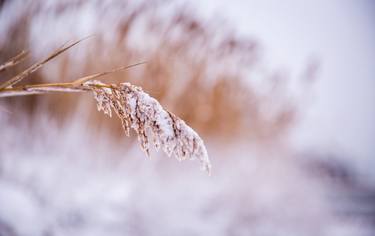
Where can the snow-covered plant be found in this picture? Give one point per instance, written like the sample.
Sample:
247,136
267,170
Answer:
136,109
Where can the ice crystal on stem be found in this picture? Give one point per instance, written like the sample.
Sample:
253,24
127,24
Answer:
152,123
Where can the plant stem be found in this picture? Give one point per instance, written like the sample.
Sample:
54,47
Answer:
48,88
42,89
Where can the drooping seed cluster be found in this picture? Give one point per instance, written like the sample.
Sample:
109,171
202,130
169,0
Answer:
137,110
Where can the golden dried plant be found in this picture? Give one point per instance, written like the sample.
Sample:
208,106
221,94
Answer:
135,108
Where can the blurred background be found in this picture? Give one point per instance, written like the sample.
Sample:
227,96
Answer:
282,93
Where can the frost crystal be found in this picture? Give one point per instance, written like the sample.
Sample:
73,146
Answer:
137,110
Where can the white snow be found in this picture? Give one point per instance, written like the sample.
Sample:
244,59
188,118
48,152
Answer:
152,123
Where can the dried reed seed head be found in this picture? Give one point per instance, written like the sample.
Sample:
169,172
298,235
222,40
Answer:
144,114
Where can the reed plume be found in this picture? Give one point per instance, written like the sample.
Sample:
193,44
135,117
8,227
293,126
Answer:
135,108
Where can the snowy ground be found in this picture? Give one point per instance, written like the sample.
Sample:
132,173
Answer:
77,183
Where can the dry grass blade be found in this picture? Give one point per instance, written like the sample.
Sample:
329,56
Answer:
94,76
40,89
75,86
36,66
14,61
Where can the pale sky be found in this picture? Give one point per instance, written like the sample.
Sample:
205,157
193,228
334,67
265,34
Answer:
341,34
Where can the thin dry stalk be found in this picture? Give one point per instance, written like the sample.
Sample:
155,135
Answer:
19,77
75,86
14,61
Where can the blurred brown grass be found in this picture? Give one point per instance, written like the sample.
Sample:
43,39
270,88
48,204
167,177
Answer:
196,69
